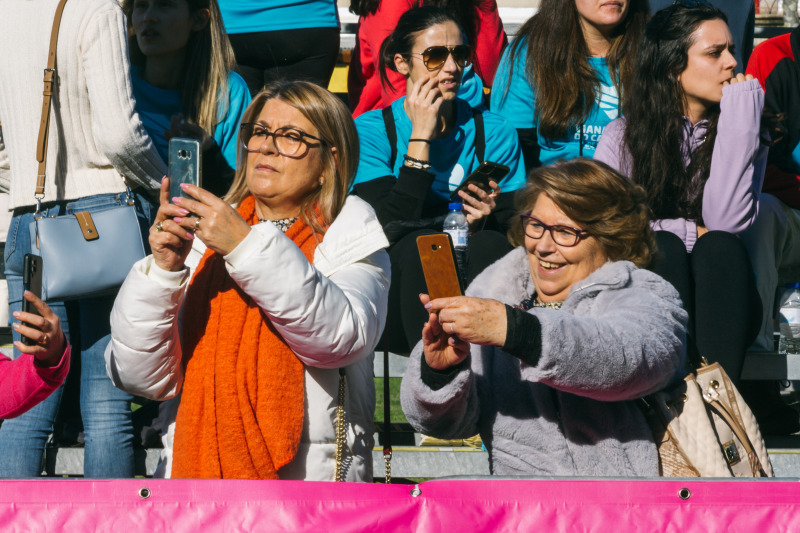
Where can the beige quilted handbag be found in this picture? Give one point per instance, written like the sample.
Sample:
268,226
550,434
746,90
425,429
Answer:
703,428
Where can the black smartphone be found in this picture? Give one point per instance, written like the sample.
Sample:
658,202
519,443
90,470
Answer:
31,281
185,165
487,171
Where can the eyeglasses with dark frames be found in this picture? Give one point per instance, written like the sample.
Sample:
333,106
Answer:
565,236
435,57
288,141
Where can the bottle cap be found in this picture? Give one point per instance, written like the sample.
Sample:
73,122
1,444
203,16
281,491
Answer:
454,206
792,286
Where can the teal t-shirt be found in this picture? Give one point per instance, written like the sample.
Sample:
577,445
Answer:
157,106
249,16
516,102
452,157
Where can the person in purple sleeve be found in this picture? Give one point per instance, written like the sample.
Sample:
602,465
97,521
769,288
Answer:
691,137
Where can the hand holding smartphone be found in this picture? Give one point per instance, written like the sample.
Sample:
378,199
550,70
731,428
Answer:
486,172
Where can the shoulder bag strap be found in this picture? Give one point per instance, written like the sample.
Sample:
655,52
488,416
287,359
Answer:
49,77
391,133
480,135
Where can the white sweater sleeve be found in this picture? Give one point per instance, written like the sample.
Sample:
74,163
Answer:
144,355
115,124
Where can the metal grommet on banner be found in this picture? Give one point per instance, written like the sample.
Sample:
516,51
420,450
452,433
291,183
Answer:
144,493
415,491
684,494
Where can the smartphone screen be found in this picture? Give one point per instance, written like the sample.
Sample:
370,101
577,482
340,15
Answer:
31,281
185,165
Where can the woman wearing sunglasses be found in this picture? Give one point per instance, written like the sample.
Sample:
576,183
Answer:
561,102
691,138
269,338
415,154
377,19
554,344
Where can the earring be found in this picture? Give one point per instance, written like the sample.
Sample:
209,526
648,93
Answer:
321,181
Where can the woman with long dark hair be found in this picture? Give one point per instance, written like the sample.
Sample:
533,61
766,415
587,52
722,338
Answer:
691,138
560,82
378,18
416,153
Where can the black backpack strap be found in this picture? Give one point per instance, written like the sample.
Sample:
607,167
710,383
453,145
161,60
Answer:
391,133
480,135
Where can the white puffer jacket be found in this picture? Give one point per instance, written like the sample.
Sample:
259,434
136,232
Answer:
331,314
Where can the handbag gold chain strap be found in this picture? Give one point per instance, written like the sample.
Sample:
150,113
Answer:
340,425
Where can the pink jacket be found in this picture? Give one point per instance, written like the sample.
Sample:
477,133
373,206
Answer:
23,383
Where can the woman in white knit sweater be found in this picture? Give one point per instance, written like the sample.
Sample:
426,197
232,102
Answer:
97,146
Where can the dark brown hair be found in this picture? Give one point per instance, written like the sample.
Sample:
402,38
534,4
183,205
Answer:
598,198
557,65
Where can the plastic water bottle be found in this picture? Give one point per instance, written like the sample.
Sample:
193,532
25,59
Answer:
789,320
455,224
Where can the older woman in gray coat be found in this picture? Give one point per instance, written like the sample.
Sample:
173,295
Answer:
553,344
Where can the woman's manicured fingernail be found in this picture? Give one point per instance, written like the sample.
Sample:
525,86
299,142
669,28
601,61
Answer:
428,305
177,220
184,212
16,314
16,325
176,199
184,186
189,235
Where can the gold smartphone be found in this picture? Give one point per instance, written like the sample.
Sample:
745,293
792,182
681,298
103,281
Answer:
438,265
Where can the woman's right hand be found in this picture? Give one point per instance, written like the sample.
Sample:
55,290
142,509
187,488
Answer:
441,350
422,107
169,242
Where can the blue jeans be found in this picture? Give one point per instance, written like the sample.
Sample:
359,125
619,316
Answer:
105,410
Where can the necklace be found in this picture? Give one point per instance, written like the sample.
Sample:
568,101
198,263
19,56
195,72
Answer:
531,302
282,224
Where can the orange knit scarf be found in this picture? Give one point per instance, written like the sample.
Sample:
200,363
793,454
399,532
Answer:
241,411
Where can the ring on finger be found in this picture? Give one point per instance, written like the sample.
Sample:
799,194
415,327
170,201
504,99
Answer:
452,329
43,340
159,227
197,223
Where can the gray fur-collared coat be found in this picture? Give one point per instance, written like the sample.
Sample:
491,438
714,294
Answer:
619,336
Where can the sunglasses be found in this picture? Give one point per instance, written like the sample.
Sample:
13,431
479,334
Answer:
435,57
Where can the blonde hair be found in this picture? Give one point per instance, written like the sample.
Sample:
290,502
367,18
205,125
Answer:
335,126
209,61
606,204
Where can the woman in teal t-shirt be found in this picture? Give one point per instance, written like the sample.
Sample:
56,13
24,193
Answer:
183,82
283,40
561,102
417,154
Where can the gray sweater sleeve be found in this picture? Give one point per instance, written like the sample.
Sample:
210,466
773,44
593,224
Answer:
448,412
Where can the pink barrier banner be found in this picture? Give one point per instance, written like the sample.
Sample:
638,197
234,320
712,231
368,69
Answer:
455,506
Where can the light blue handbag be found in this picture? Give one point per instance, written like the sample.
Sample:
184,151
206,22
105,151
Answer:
87,254
83,254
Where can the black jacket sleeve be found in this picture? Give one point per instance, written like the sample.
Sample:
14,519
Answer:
401,198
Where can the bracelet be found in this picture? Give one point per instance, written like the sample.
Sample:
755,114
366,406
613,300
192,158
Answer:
416,163
415,160
419,141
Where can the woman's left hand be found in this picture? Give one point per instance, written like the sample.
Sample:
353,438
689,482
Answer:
474,320
478,203
214,222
